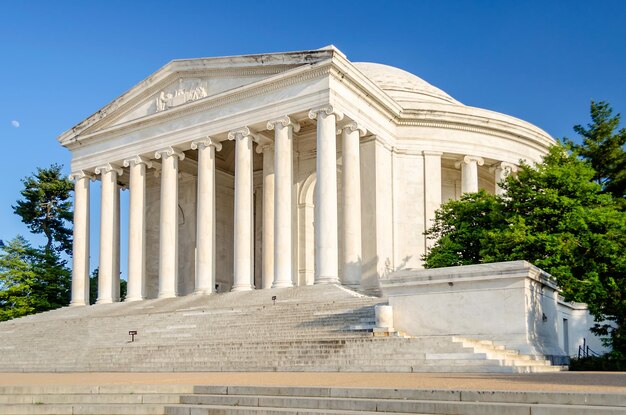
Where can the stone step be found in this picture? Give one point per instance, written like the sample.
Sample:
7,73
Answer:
110,398
82,409
254,403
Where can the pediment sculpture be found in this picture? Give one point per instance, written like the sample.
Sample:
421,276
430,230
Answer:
187,91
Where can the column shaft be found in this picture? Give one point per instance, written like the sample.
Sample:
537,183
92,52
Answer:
268,217
326,242
469,173
205,258
283,201
168,238
116,245
244,231
351,204
108,235
502,171
137,229
80,257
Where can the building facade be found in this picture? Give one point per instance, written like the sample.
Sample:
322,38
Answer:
278,170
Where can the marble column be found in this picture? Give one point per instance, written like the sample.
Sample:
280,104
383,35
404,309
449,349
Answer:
267,272
432,189
469,173
116,245
352,255
326,242
205,257
80,256
243,269
283,128
137,228
168,237
501,172
108,234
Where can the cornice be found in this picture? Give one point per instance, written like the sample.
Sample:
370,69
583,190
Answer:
512,128
366,89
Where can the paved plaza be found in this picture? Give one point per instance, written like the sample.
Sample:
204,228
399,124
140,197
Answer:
594,382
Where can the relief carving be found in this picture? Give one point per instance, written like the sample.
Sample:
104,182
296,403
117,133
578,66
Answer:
188,90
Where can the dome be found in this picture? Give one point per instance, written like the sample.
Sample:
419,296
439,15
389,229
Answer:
403,86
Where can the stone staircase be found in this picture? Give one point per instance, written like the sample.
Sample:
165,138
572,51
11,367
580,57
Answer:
313,328
265,400
87,399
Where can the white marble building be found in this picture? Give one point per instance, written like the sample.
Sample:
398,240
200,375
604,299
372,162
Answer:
276,170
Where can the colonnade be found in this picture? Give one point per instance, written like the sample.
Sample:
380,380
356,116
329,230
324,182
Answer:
277,239
278,243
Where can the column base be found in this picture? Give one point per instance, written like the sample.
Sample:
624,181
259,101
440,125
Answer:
203,291
78,303
131,299
104,301
282,284
167,295
327,280
242,288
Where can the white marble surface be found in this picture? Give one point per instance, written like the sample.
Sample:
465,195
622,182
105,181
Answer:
415,135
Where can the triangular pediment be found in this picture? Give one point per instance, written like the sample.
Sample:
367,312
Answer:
184,90
183,82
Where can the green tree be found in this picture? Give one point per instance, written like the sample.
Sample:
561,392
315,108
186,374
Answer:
555,216
603,146
31,280
460,228
46,207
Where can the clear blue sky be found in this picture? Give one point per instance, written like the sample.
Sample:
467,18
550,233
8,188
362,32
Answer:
60,61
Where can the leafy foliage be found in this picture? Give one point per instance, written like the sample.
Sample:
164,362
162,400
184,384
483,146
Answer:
31,280
603,147
555,216
46,207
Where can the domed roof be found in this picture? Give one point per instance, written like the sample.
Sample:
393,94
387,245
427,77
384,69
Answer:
403,86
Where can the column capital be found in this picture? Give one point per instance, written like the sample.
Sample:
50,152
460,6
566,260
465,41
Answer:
203,143
107,168
240,133
169,152
263,145
469,159
325,110
81,174
133,161
352,127
506,167
285,121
